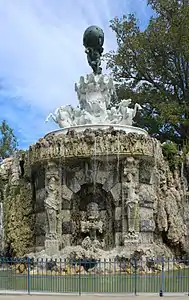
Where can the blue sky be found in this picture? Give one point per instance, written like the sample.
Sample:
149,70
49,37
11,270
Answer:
42,56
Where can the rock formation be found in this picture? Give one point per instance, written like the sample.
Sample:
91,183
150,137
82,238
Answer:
94,194
17,205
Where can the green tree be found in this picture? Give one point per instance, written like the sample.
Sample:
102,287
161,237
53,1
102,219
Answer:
153,68
8,141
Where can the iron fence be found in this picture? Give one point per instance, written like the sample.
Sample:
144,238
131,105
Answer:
132,276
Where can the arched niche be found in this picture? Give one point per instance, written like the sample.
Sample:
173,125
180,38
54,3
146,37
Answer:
88,195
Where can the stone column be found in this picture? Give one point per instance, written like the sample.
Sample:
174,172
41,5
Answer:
116,192
66,215
52,207
118,226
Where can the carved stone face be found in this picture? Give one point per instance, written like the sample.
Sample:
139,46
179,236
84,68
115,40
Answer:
52,184
92,210
129,177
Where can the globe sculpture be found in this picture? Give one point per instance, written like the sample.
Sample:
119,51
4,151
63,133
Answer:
93,40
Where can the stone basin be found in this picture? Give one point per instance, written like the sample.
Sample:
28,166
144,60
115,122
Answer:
81,128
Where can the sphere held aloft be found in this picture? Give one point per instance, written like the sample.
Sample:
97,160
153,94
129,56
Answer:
93,37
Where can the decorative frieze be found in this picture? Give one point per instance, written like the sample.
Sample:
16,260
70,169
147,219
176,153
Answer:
81,145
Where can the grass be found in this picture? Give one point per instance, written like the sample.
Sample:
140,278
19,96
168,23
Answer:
174,281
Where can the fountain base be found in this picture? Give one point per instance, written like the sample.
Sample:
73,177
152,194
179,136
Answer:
81,128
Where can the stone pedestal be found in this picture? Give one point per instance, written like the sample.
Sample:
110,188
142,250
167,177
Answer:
131,242
51,247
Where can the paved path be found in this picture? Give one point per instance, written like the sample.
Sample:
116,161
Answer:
88,297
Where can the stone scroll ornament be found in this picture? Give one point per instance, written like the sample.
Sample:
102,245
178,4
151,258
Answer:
95,92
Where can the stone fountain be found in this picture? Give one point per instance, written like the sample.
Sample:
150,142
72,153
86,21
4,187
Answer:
98,187
95,92
108,214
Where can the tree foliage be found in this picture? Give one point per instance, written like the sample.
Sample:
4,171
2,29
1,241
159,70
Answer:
8,141
153,66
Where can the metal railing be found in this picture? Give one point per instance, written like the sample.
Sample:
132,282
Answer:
133,276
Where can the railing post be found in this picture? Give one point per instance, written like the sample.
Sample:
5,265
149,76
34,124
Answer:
135,278
80,277
162,277
28,276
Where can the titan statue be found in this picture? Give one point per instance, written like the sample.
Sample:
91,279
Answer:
93,40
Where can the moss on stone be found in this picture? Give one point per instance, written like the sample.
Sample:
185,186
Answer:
19,218
170,153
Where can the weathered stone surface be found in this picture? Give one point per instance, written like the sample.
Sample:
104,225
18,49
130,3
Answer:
67,227
140,202
66,204
147,225
40,224
39,200
82,145
18,207
40,179
118,226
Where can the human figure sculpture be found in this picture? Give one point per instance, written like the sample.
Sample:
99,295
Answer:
123,110
93,40
131,204
93,223
81,91
51,206
94,94
131,215
94,61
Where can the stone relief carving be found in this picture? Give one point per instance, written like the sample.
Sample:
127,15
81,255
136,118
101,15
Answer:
131,199
52,206
132,207
94,94
93,224
87,144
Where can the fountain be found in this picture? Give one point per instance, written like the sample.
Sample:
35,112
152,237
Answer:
92,198
98,186
95,92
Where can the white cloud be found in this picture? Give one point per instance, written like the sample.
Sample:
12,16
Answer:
42,56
